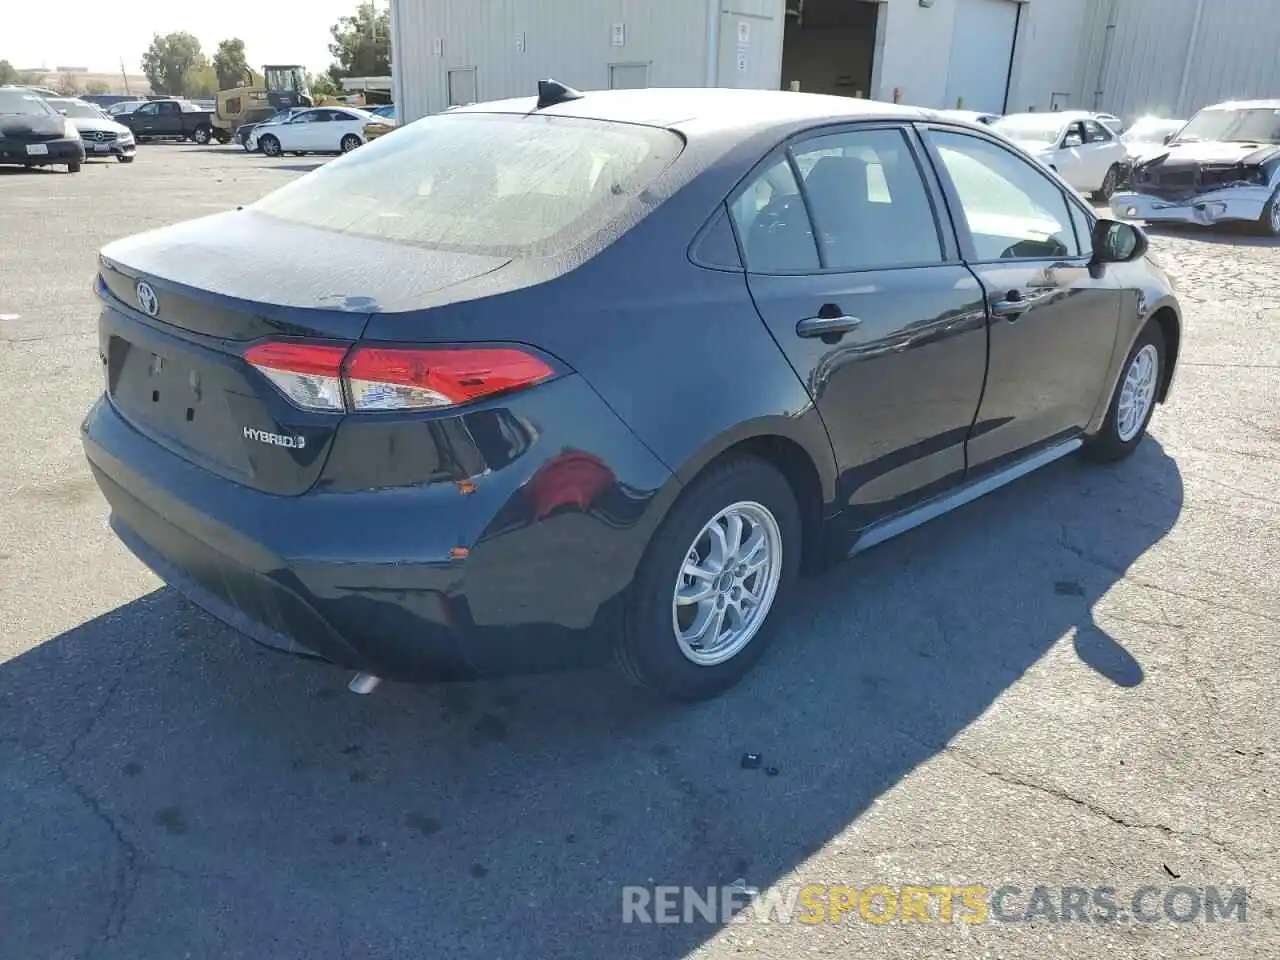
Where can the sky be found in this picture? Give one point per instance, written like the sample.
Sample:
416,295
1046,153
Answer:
96,33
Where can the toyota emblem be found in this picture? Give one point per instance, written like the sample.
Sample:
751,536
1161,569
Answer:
147,299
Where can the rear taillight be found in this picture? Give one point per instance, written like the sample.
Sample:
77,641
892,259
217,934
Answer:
392,379
338,378
309,374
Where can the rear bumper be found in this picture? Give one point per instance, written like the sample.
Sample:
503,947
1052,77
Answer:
57,151
374,579
1216,206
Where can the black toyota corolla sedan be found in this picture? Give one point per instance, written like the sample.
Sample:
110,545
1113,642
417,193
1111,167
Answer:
537,383
33,134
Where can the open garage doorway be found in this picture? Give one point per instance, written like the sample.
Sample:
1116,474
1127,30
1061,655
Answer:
829,46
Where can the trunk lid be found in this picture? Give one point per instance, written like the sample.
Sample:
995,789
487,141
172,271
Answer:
182,304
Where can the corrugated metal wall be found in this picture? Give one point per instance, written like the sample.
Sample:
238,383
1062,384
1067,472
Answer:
514,43
1175,56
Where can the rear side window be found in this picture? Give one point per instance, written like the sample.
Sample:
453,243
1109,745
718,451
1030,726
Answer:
773,224
506,185
870,205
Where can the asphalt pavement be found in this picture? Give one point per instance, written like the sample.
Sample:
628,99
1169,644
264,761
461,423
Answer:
1070,684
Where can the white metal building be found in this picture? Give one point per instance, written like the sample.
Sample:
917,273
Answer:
1125,56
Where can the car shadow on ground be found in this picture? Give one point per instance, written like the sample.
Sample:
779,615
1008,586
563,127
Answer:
294,167
171,785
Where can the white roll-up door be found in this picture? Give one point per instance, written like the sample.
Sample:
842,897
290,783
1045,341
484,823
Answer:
981,51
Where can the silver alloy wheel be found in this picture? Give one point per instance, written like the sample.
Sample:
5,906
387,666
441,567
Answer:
1137,392
1109,183
1275,216
728,583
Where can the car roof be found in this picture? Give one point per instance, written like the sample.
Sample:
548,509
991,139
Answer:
1245,105
1062,116
703,109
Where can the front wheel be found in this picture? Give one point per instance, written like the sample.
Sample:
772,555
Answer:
1134,400
350,142
202,135
1269,222
701,609
1109,183
270,146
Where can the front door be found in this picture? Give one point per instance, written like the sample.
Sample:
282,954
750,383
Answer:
169,123
857,275
1054,317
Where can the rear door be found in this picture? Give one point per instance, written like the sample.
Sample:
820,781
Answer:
1054,317
855,271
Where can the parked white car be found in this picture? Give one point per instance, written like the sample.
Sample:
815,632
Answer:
1084,151
319,130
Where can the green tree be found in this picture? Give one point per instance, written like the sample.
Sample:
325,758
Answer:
202,82
67,85
97,87
8,73
169,60
361,44
230,65
320,85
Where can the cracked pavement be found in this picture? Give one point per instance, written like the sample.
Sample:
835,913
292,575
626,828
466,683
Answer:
1071,682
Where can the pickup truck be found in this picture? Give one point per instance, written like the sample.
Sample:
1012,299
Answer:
159,119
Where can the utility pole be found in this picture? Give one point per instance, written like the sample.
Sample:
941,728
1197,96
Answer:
125,77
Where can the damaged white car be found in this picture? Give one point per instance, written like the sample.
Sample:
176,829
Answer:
1223,166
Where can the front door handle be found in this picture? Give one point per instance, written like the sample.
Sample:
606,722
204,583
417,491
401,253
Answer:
830,329
1013,306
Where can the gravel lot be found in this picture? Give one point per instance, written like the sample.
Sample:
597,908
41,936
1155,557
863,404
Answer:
1072,682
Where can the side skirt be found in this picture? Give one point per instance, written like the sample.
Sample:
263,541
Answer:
888,529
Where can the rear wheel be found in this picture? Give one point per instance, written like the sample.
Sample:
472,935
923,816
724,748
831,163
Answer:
270,145
350,142
1109,182
702,603
1134,401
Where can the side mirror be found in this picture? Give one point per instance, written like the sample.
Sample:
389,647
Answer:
1168,138
1117,242
61,111
1073,140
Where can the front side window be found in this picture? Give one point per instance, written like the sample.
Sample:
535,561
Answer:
1013,211
148,110
773,224
505,185
1096,132
1043,129
870,205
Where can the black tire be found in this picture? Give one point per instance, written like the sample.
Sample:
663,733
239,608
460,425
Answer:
1109,184
1108,446
349,143
125,159
1269,223
73,166
648,652
202,135
270,146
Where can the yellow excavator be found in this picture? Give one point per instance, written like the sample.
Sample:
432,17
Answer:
283,86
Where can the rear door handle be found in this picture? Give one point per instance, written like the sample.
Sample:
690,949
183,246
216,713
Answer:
830,329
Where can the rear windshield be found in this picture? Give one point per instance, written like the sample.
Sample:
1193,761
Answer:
501,184
22,103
